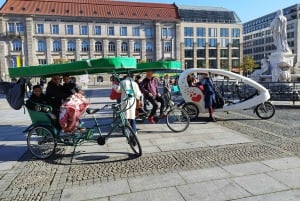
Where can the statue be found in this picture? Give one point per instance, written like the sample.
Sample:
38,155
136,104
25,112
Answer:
279,30
257,75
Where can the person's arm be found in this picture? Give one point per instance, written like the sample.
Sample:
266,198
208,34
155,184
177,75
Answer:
144,87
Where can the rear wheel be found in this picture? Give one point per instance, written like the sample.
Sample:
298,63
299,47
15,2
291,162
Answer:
41,142
132,140
192,110
265,110
177,120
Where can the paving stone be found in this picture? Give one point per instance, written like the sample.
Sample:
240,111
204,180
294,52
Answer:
196,176
290,177
292,195
283,163
163,194
247,168
260,184
95,191
155,181
223,189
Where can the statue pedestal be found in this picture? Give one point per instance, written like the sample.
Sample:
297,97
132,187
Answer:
281,64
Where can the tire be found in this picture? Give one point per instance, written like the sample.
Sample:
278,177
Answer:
265,110
192,110
177,120
41,142
132,140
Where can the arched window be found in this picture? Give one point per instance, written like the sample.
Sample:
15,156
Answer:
71,46
98,46
111,47
136,47
16,45
41,46
124,47
56,46
168,46
149,47
85,46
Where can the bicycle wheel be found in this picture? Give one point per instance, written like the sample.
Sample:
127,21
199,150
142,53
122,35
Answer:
41,142
192,110
132,140
177,120
265,110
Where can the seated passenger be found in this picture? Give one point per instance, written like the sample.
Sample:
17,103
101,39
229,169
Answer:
69,86
37,97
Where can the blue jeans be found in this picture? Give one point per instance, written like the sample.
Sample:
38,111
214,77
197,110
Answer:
133,124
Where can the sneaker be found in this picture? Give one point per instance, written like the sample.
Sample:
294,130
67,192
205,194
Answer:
212,119
151,120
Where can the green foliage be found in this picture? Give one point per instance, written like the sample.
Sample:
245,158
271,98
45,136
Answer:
248,64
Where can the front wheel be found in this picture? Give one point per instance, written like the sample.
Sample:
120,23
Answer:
265,110
132,140
192,110
41,142
177,120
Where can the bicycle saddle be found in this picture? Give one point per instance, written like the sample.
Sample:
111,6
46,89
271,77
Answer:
92,110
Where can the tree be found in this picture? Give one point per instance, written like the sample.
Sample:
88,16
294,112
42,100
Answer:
248,65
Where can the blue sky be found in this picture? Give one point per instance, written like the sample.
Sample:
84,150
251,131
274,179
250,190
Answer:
246,10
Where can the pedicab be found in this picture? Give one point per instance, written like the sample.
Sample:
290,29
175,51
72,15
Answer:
45,133
176,118
233,92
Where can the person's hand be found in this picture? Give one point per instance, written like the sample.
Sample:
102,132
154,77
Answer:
159,95
150,94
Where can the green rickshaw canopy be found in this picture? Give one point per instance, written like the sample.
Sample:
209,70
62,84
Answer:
158,66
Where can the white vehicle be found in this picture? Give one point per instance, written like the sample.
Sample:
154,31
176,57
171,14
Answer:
237,91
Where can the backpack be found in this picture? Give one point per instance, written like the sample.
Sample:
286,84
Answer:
15,93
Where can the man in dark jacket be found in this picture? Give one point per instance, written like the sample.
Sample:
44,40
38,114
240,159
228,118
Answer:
55,94
149,87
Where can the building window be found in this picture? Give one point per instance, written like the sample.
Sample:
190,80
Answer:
189,31
55,29
200,64
98,46
235,53
188,53
148,32
224,53
149,47
111,47
111,31
85,46
70,29
188,42
123,31
97,30
213,63
201,32
56,46
42,61
189,63
224,32
71,46
167,32
136,31
201,53
235,42
16,45
212,32
84,30
149,60
11,27
235,63
224,64
136,47
168,46
224,42
41,46
124,47
201,42
19,27
212,53
39,28
212,42
235,32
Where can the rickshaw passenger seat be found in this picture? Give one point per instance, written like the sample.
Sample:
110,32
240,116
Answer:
92,111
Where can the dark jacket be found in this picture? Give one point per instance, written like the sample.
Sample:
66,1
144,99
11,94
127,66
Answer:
34,100
149,86
70,88
55,95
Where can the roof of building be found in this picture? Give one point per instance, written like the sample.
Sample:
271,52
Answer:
92,8
207,14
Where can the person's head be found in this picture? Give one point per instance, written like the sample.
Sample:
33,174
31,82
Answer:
56,79
204,75
37,90
138,77
166,76
67,79
149,74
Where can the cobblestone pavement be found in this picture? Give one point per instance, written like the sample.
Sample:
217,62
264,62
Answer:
202,147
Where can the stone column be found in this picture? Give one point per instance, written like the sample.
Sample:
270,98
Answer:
78,49
29,42
105,47
218,56
118,47
48,51
143,50
182,57
177,47
195,55
158,45
92,48
230,56
64,48
131,46
207,55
